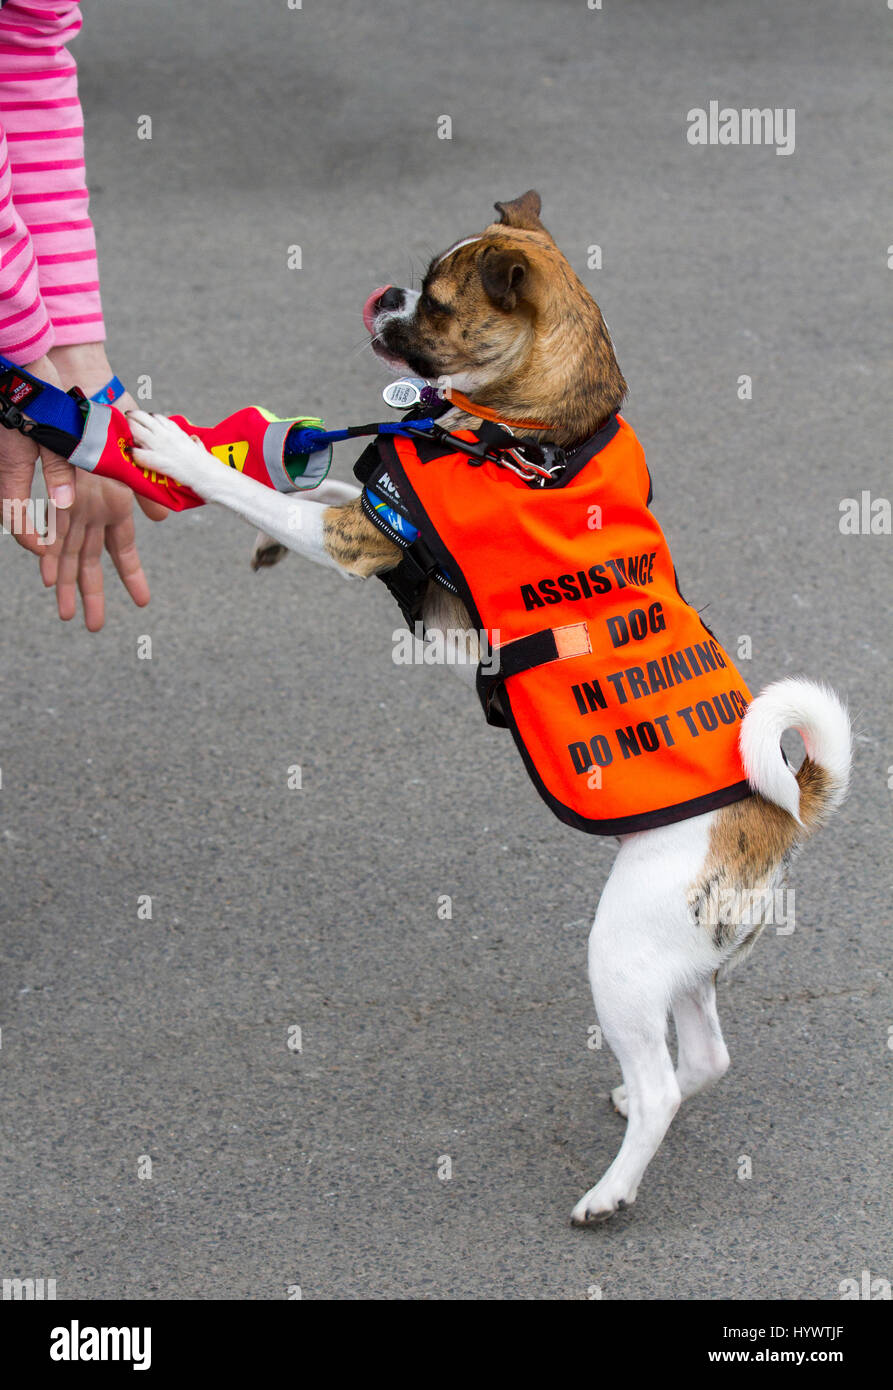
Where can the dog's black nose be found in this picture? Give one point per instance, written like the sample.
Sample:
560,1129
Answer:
392,299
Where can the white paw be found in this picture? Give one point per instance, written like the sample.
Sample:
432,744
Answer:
599,1204
620,1101
163,447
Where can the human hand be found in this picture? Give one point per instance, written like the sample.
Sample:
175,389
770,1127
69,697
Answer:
18,455
101,517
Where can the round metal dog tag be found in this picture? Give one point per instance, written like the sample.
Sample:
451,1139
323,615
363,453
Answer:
405,392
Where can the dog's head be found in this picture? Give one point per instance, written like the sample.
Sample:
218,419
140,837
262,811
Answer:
504,319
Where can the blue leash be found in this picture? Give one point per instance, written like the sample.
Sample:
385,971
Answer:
309,441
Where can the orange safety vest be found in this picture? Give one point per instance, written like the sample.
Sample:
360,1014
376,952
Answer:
623,705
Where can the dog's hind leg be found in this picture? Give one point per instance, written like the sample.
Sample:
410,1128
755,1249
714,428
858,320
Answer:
703,1057
645,952
653,1101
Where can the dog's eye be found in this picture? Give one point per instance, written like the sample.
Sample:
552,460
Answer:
432,306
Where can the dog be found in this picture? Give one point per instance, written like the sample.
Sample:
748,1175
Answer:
504,319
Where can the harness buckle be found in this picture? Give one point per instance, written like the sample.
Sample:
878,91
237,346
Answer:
532,460
10,416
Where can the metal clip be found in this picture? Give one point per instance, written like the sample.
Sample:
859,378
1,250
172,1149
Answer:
535,471
10,416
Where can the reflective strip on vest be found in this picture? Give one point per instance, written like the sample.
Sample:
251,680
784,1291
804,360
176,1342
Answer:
630,724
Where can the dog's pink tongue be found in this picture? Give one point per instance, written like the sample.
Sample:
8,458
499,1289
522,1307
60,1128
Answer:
369,306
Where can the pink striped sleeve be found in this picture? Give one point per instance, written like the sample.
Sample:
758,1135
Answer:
25,329
41,114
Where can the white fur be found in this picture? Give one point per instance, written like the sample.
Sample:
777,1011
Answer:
648,956
822,721
468,241
406,311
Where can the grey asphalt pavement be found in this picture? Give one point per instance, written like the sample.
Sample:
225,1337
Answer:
125,1038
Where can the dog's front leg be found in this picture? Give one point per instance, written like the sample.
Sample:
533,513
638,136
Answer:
267,551
305,526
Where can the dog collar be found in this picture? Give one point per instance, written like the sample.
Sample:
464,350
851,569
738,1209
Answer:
483,412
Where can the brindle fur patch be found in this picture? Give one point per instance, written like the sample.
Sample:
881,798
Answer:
752,843
352,540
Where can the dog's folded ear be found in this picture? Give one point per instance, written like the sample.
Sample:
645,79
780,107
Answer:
503,271
523,212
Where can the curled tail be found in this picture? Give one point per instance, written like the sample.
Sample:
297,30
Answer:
823,723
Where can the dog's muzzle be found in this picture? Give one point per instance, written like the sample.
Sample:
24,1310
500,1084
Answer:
386,299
